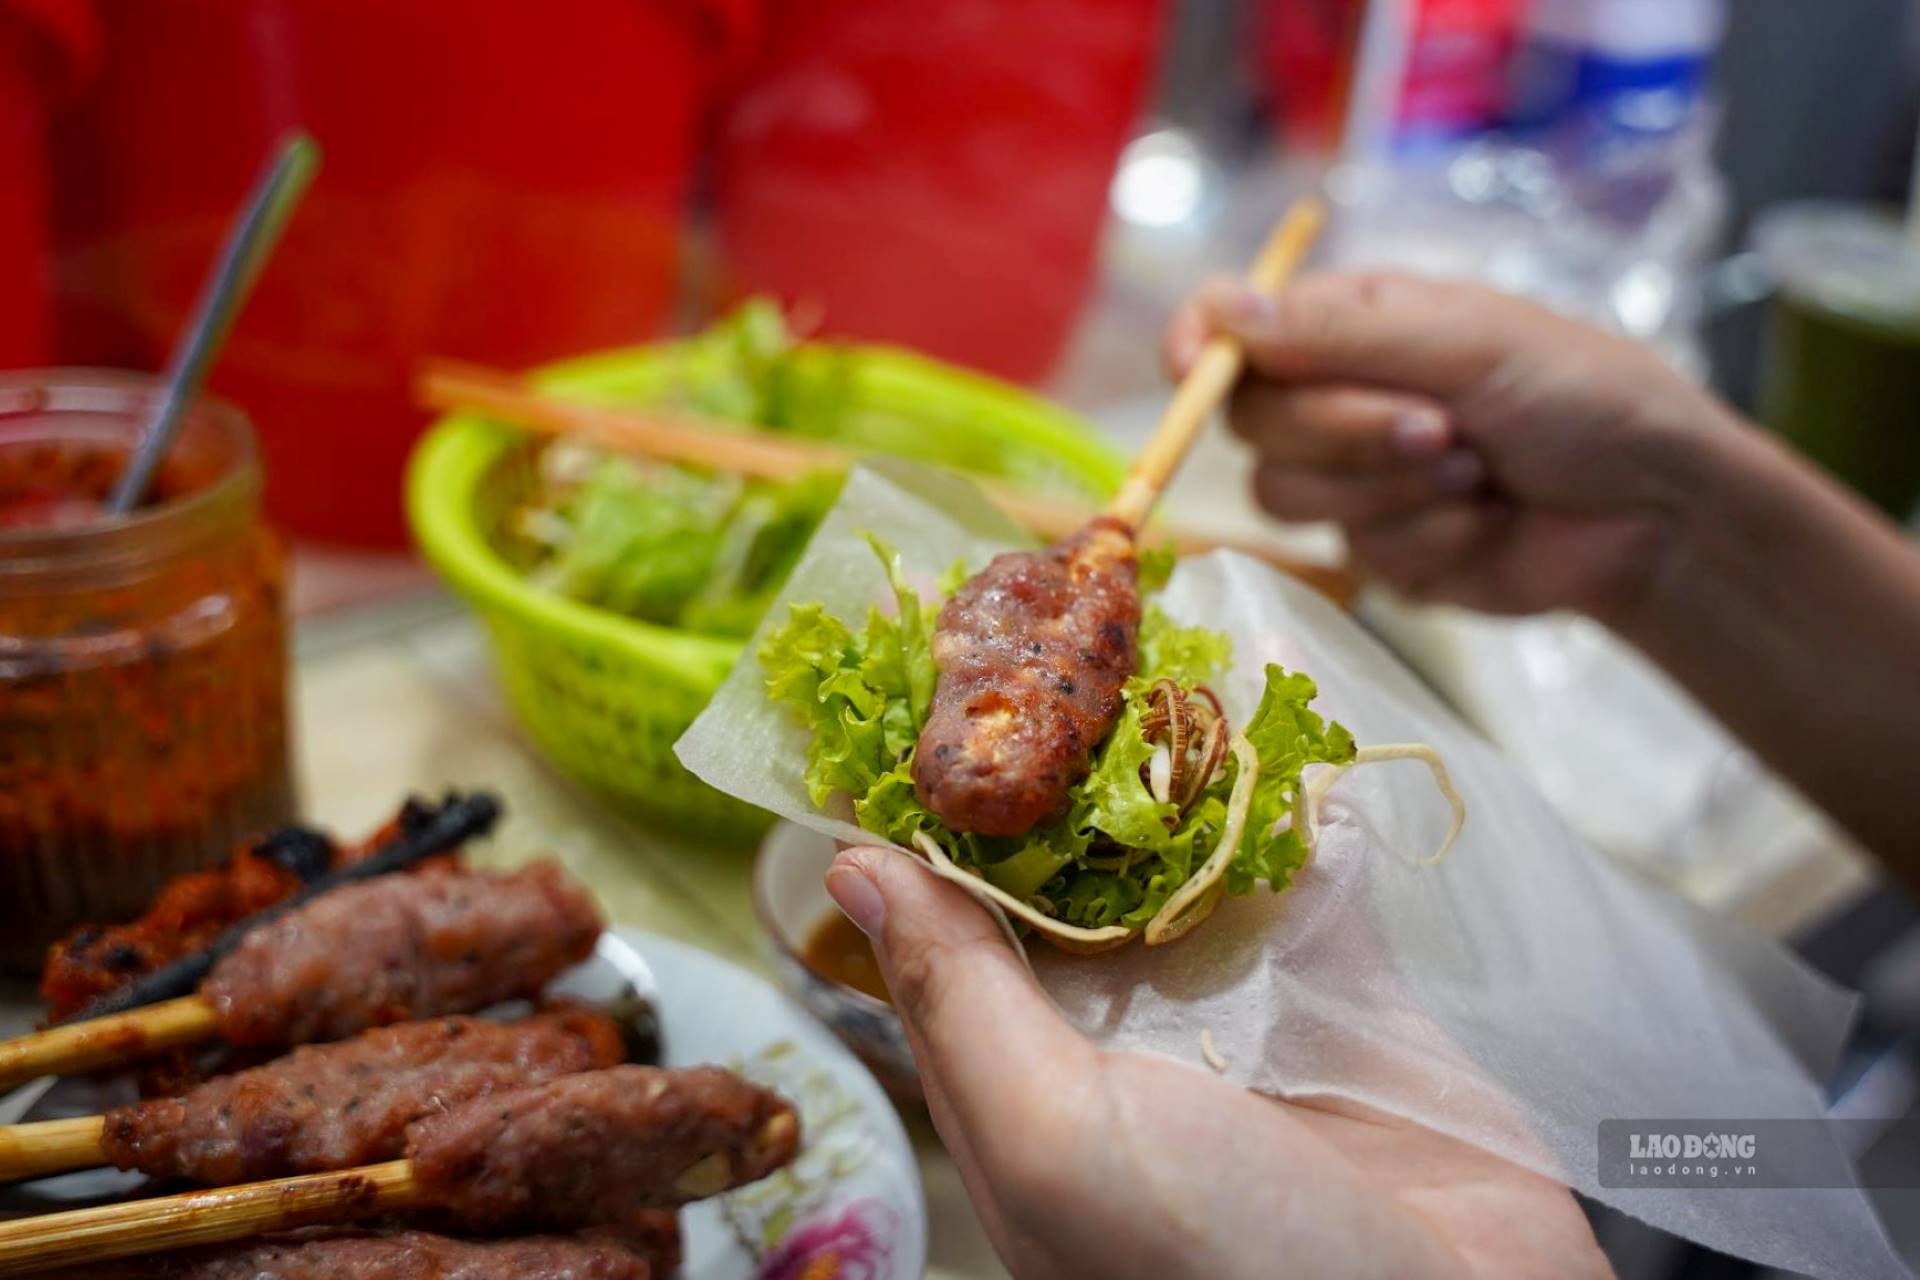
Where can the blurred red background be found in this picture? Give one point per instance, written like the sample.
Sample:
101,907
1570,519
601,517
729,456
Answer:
511,183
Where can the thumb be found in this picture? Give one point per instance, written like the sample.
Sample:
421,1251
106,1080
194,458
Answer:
963,992
1374,329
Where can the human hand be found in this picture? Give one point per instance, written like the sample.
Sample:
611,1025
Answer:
1478,449
1083,1162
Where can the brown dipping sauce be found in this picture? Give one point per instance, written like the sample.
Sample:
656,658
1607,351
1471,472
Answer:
838,951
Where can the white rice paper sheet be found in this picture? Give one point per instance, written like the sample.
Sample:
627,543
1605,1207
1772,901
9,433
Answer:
1514,996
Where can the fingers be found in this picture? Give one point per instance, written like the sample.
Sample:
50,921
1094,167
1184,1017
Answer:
1366,497
1186,333
1380,330
1419,553
983,1025
1333,426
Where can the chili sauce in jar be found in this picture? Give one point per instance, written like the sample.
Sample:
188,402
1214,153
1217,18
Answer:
143,721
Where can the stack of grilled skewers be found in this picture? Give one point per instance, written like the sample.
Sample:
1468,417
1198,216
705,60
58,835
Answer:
454,1144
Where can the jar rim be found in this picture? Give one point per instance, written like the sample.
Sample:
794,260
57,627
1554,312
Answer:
1847,257
151,531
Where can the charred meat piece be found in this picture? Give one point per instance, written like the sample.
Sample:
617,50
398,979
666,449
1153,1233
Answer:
336,1106
397,1255
590,1149
1032,654
397,947
189,913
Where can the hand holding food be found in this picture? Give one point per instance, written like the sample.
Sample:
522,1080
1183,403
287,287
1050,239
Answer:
1085,1163
1482,451
1477,448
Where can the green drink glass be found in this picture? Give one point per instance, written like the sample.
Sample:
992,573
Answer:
1842,363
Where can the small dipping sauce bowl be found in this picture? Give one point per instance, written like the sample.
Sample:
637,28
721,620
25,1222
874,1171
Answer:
790,897
143,724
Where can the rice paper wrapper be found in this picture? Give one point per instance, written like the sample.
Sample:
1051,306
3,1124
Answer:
1514,996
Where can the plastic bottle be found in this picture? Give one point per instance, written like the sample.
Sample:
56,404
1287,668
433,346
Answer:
1452,86
1627,67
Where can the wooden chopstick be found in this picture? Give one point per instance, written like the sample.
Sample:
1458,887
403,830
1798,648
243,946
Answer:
51,1146
449,387
105,1042
1213,373
233,1213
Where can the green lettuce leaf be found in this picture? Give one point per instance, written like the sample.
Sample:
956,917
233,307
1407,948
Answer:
643,538
1156,566
1188,656
1113,800
913,634
1287,736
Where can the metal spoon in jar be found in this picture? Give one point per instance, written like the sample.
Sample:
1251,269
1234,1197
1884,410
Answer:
251,240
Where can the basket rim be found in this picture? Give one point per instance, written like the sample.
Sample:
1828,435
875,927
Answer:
458,451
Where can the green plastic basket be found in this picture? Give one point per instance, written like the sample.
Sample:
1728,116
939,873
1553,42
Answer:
606,696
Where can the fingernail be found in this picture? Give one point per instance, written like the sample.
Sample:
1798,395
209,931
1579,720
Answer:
1459,472
1242,307
1420,432
849,886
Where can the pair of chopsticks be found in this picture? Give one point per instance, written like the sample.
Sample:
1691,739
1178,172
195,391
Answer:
454,387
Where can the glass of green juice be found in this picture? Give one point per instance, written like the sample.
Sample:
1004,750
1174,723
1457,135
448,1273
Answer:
1841,371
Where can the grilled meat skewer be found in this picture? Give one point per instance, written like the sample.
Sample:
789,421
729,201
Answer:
1032,654
1033,651
585,1150
440,941
339,1105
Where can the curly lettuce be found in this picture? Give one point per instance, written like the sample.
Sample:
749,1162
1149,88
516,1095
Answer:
675,545
1118,853
668,545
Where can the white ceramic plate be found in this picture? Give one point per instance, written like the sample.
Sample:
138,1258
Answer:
852,1198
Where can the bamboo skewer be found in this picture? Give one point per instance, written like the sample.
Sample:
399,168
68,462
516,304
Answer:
139,1227
234,1213
106,1041
51,1146
1213,372
452,387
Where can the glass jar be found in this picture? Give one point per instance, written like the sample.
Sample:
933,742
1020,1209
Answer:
143,722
